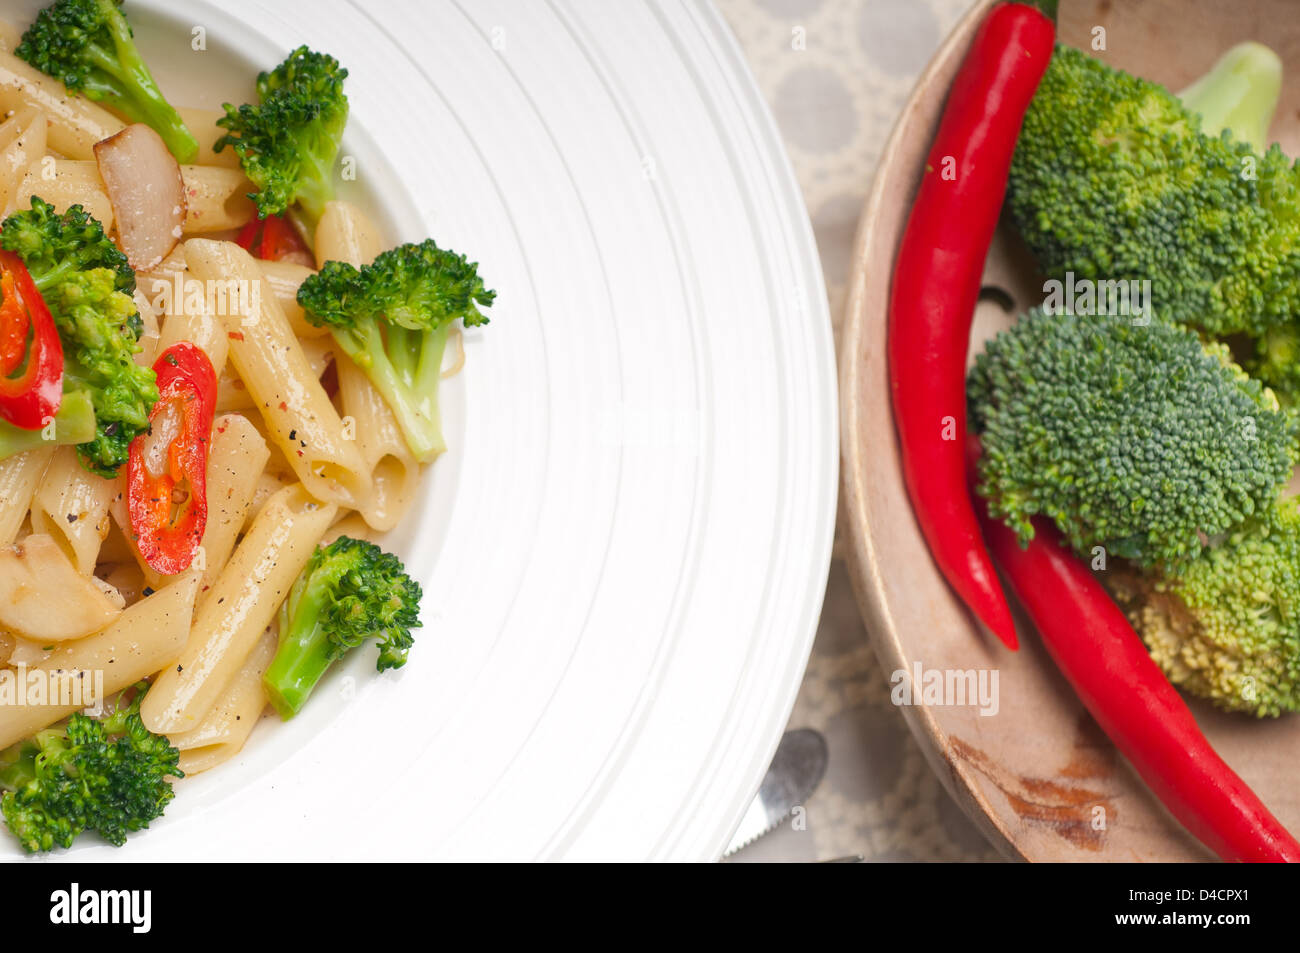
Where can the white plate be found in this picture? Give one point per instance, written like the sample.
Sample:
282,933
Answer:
625,550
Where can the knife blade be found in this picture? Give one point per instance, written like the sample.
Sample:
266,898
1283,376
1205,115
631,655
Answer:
797,768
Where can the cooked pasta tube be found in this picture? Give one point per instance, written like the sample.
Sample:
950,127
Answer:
394,472
75,123
20,475
285,278
236,461
238,608
65,183
146,637
223,731
290,399
346,234
71,506
216,199
22,142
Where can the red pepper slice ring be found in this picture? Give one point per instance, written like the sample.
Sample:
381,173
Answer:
32,398
168,466
272,239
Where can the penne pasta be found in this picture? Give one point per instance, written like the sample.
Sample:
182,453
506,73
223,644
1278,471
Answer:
20,475
222,733
75,123
285,278
216,199
236,461
394,472
146,637
345,234
22,143
65,183
71,506
241,604
270,360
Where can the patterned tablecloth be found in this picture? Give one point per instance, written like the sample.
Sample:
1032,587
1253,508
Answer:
836,73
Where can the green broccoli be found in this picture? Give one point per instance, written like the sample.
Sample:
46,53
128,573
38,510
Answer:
392,318
350,591
1227,626
1137,438
85,282
1113,179
73,424
109,776
287,143
88,46
55,246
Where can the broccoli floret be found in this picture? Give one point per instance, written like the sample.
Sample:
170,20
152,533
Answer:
55,246
109,776
350,591
1138,438
100,330
1113,179
1227,626
392,318
287,143
87,284
88,46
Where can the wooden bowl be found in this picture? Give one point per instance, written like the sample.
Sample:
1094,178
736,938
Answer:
1039,777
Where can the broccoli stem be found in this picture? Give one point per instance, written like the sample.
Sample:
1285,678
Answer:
20,767
305,652
73,424
1239,93
129,87
407,370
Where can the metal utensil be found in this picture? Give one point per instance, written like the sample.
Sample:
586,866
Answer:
797,769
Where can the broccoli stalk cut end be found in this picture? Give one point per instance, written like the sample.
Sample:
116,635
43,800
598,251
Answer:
1239,94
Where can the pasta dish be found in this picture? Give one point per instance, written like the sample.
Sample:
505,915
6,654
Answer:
217,386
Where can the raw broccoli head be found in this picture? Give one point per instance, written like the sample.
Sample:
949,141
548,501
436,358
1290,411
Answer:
1113,179
1227,626
109,776
392,318
54,246
350,591
287,143
100,328
1138,438
88,46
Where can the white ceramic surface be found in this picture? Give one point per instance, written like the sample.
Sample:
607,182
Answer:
625,551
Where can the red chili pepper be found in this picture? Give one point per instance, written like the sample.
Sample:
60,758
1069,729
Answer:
271,239
34,396
936,284
1095,647
187,390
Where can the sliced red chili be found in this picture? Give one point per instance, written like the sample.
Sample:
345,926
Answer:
34,395
167,468
272,239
